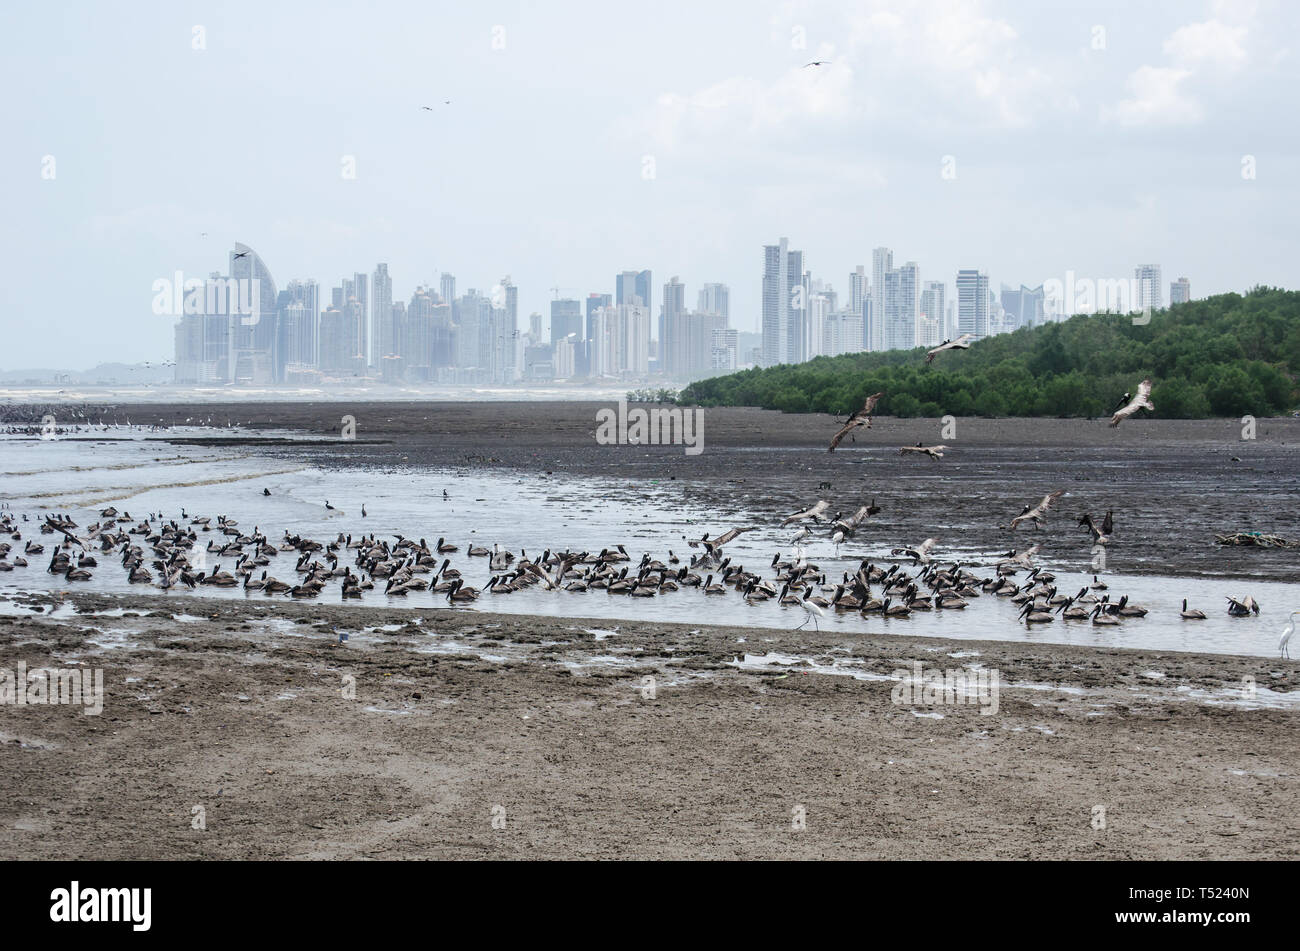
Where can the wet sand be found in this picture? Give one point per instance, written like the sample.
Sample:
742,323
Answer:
541,718
470,711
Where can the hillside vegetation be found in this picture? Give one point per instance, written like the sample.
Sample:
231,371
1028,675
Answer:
1222,356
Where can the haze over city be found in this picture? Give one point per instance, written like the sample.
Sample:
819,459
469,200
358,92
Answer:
1003,137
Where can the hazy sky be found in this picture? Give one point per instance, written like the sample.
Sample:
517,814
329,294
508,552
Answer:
1067,156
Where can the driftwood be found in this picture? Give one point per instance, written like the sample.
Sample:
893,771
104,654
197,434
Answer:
1257,539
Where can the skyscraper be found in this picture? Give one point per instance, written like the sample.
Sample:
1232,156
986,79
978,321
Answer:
882,262
447,287
715,299
857,289
1180,291
931,325
566,319
672,329
784,300
973,303
383,341
360,285
252,336
631,286
1150,290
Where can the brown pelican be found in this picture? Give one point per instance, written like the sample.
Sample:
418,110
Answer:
1031,615
1246,606
1193,614
1099,616
1037,514
961,343
934,452
1141,401
920,554
1099,535
861,418
1024,559
713,544
814,513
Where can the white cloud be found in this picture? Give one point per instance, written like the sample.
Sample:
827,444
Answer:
1211,42
1157,99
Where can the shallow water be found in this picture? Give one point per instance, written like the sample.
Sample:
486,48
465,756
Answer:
533,513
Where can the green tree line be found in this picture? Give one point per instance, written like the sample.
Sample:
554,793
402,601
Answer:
1227,355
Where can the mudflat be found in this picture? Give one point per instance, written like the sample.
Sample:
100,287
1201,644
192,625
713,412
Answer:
549,728
468,734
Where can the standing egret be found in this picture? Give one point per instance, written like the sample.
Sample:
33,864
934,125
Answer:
1283,645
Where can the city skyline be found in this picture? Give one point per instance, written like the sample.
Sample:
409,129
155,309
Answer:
1013,140
239,328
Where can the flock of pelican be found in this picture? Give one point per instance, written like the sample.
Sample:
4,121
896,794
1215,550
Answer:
174,553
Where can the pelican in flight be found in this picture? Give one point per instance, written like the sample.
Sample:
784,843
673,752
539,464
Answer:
961,343
1024,559
861,418
920,555
1100,536
934,452
814,513
713,544
1141,401
1037,514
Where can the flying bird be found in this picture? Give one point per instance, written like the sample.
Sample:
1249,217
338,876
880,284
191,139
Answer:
961,343
920,554
1100,536
1141,401
816,62
1037,514
814,513
934,452
861,418
713,544
241,254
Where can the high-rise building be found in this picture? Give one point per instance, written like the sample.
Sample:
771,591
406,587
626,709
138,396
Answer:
902,304
715,299
632,287
1180,291
1150,290
447,287
251,336
931,323
857,289
1025,307
784,304
973,303
673,354
882,262
566,319
382,340
299,316
873,329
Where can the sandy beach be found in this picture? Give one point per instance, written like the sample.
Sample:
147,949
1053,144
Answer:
471,734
